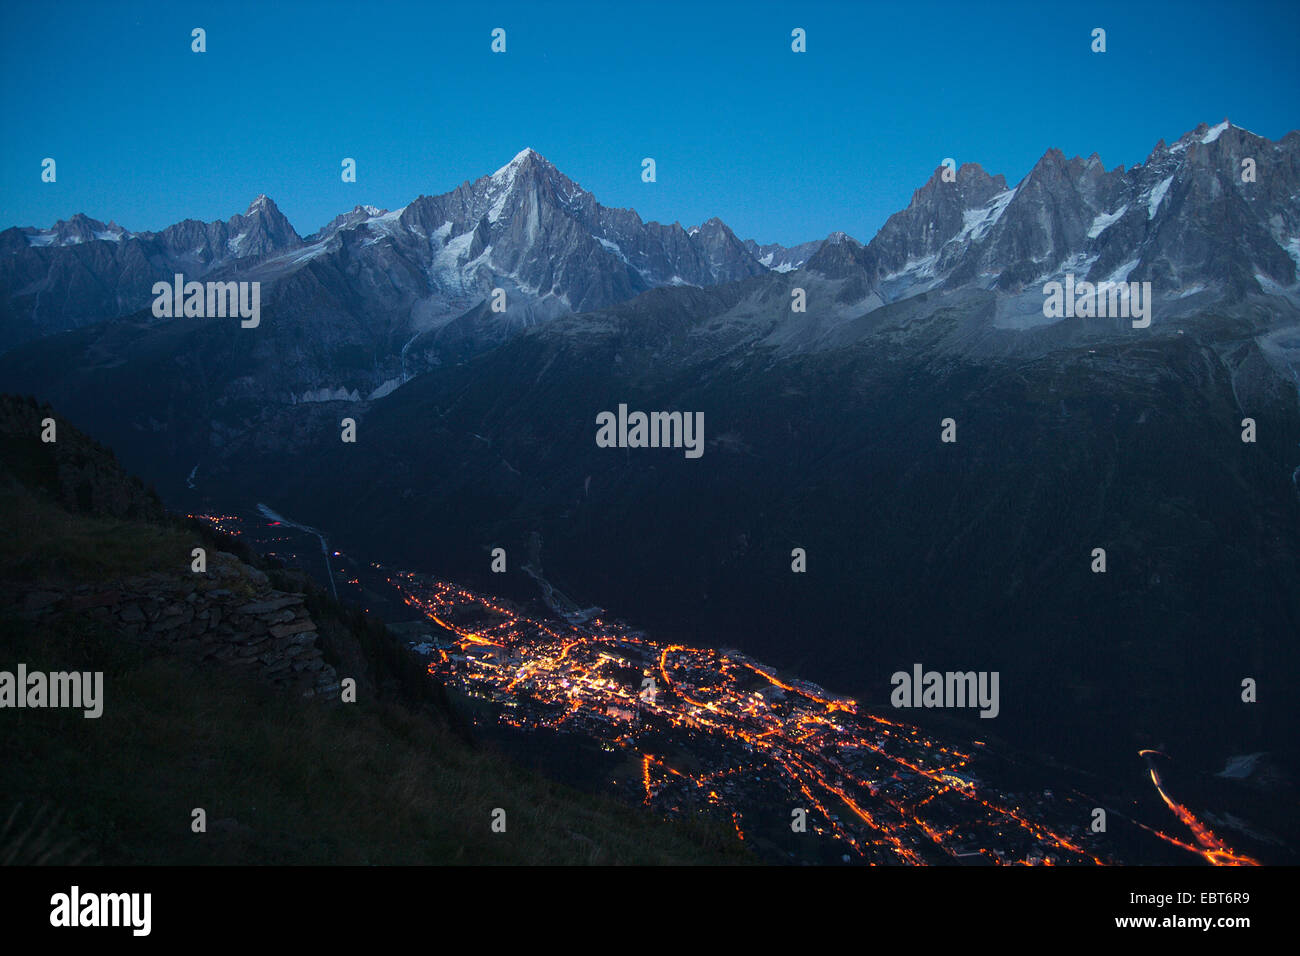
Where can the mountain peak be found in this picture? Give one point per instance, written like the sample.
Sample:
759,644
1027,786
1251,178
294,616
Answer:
967,177
525,157
260,230
263,203
1214,132
1202,133
839,256
1053,158
711,225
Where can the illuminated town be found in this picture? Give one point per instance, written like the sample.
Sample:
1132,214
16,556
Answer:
715,734
717,730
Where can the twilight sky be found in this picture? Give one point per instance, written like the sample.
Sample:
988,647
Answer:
782,146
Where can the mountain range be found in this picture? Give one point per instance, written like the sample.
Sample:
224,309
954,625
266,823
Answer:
395,292
383,280
822,426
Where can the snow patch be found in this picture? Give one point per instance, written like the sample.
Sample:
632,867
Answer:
977,222
499,204
1292,248
446,266
383,225
1157,195
785,265
1121,274
386,389
1272,287
508,170
503,183
339,394
1214,133
484,258
311,252
612,247
918,267
1105,220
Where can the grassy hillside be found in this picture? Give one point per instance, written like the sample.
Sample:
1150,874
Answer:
390,779
285,781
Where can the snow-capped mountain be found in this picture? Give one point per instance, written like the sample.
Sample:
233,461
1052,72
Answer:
83,271
378,296
262,229
1211,221
527,229
347,220
530,229
1189,219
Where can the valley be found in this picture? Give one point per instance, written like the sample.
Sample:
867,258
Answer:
800,773
1100,509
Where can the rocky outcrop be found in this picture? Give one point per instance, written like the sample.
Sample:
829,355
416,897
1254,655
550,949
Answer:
229,615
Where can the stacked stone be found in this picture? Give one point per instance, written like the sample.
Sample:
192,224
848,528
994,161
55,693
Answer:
209,616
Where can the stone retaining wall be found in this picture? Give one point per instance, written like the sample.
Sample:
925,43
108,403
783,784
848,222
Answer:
229,614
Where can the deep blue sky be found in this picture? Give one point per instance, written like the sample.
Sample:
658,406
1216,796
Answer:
784,147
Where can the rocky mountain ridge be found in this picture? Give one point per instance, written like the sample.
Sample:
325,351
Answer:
526,228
